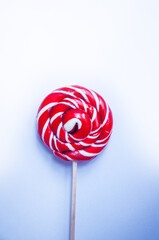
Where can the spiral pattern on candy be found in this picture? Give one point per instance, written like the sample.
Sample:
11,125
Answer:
75,123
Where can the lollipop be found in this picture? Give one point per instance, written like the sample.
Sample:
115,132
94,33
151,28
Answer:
76,124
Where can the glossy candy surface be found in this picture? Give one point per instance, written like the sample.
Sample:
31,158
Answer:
75,123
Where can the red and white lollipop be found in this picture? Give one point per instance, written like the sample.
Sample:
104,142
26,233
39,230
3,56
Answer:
76,124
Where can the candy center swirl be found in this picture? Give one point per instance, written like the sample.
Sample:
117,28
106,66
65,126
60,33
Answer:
73,125
77,123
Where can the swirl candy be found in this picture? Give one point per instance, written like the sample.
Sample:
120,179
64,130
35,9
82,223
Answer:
75,123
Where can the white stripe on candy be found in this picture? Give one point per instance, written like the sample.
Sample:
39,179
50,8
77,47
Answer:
55,116
81,92
70,146
106,117
96,99
66,137
95,131
98,145
50,140
66,156
84,105
55,142
44,129
93,136
73,101
76,139
64,92
85,144
87,154
45,108
58,130
94,114
104,139
66,103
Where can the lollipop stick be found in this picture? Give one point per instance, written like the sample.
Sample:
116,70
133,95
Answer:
73,206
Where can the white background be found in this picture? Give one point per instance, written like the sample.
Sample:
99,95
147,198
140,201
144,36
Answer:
111,47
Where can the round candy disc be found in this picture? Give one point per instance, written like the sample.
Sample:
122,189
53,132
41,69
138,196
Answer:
75,123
